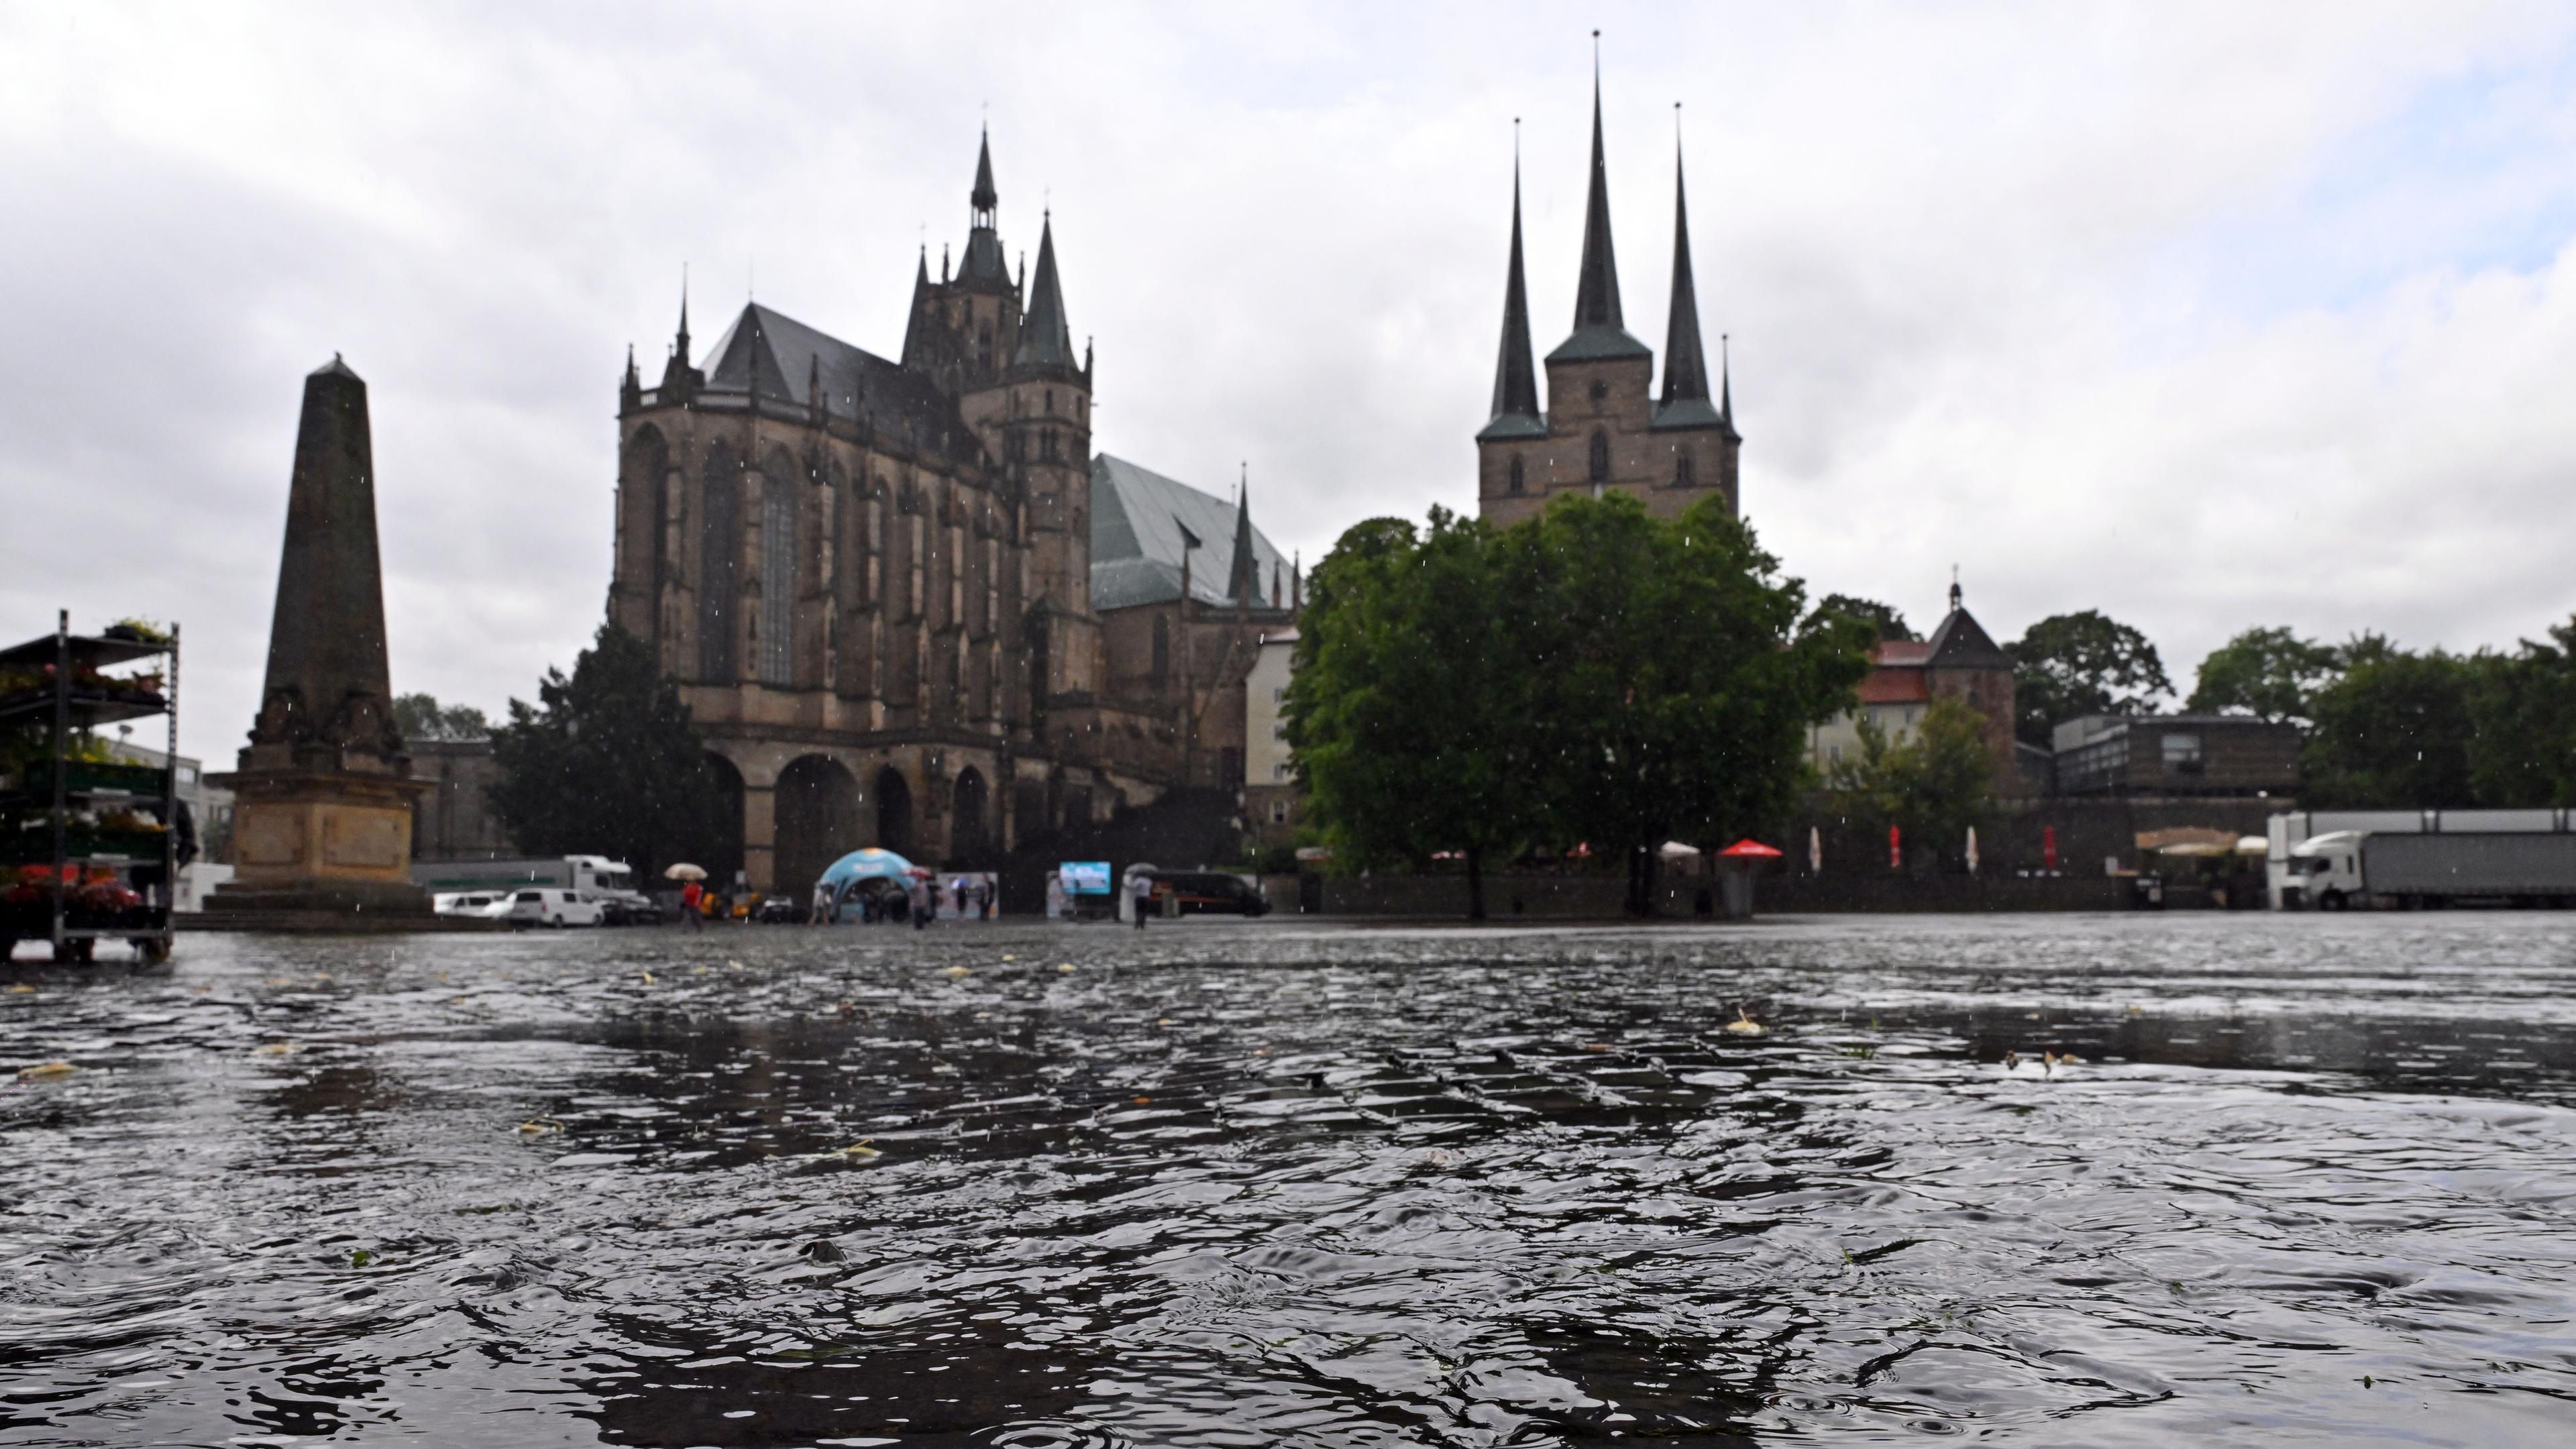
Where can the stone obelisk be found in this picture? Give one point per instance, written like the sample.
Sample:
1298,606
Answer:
323,797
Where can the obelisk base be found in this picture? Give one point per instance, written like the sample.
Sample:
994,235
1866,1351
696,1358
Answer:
329,846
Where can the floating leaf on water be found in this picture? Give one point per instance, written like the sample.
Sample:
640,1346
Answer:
733,965
648,978
1010,958
1144,1101
361,1258
954,971
537,1125
1162,1021
1744,1024
22,989
856,1150
276,1049
46,1072
1065,966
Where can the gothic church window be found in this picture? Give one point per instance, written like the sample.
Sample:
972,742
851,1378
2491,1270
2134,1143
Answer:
1684,474
777,580
1600,458
719,565
1519,475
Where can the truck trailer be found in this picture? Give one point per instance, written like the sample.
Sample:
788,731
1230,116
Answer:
2359,868
611,883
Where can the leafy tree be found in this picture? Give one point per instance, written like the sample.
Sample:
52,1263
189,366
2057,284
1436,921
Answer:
1933,785
2392,733
1405,710
422,717
608,763
2069,665
2267,673
1669,689
1884,618
2522,713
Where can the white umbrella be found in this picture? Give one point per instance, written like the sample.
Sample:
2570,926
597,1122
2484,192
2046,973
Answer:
684,871
1972,850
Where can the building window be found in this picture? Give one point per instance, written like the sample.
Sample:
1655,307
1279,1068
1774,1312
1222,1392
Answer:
1684,474
1519,474
1279,730
1278,812
1600,391
1283,772
1600,458
777,581
719,563
2182,754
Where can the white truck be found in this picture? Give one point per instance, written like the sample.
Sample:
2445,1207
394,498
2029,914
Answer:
591,879
2411,860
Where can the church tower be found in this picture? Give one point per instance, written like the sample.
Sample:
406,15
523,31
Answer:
1603,428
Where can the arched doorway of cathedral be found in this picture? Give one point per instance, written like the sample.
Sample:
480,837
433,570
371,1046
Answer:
968,829
818,820
722,849
894,812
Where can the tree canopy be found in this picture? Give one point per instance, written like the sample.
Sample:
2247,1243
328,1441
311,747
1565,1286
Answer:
1932,785
1884,618
2271,674
2401,730
422,717
2070,665
607,763
1592,675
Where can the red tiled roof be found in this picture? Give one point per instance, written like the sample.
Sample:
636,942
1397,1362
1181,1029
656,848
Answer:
1895,686
1899,651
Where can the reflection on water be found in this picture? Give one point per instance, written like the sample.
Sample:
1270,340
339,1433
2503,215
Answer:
2308,1177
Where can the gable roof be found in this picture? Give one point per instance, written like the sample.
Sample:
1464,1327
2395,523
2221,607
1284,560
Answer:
1139,519
787,356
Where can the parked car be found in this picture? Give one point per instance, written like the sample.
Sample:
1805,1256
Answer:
465,903
548,906
631,908
778,910
1210,893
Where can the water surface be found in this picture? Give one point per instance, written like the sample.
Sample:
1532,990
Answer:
2311,1180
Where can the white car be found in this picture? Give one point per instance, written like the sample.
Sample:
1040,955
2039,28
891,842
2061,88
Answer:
546,906
465,903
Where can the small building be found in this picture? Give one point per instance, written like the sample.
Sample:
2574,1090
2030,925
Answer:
1271,804
2179,754
1960,661
454,820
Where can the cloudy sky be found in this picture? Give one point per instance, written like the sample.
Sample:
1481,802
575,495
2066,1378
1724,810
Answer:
2203,316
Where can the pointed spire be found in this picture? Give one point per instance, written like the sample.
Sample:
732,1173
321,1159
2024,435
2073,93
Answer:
684,314
1045,339
983,199
1515,379
1725,387
1600,329
1685,365
1243,578
633,378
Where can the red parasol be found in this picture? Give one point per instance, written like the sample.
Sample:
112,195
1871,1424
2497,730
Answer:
1748,849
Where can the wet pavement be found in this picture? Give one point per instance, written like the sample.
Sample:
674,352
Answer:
2311,1180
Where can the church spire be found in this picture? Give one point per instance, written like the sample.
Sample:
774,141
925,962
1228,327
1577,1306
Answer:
1045,339
983,199
682,345
1515,380
1600,331
1685,364
1243,577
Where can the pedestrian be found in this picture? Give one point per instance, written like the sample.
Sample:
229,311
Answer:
822,903
691,895
921,907
1140,890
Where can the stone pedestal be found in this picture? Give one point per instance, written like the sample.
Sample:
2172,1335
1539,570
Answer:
328,842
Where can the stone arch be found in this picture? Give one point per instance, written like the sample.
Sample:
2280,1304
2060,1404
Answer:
641,506
970,828
817,804
894,812
723,847
719,564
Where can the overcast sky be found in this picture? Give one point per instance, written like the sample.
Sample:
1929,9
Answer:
2207,317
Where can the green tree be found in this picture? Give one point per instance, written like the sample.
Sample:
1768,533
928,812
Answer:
1884,618
422,717
1405,711
1932,785
1669,685
2269,673
607,763
2522,715
2070,665
2392,733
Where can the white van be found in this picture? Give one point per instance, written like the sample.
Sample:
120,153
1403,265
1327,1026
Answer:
465,903
547,906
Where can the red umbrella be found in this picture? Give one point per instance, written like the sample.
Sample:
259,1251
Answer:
1748,849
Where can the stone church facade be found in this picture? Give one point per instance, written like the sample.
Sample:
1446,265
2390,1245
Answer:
1603,428
873,580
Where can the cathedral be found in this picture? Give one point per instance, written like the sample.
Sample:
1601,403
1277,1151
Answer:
905,603
1603,427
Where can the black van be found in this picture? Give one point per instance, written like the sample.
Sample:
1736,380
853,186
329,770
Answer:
1210,893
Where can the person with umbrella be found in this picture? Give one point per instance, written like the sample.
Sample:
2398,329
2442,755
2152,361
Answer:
692,892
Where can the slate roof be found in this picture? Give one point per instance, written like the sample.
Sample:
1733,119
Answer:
894,400
1960,644
1599,329
1515,412
1045,340
1138,519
